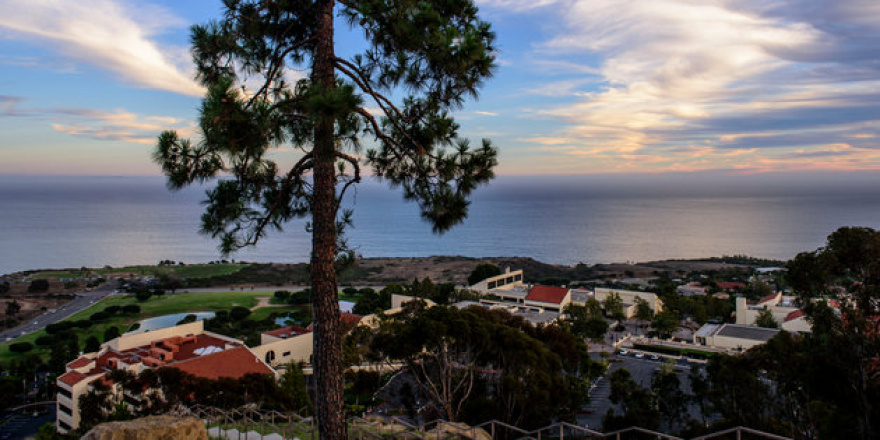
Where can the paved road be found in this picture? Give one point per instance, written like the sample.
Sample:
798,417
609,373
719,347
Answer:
82,301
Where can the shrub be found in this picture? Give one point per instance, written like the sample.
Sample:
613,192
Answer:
83,323
38,285
112,309
131,309
143,295
100,316
21,347
238,313
45,340
282,294
54,328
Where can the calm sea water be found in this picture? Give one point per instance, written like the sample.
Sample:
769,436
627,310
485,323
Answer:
61,222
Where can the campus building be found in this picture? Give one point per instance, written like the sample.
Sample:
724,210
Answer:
187,347
785,312
630,299
733,337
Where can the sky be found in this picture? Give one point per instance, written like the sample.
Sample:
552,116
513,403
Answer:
732,87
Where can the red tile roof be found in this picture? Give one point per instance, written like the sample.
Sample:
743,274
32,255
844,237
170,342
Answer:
794,315
286,332
770,297
725,285
72,377
547,294
233,363
79,362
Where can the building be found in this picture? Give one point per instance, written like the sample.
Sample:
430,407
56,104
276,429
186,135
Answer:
187,347
783,308
508,280
548,298
630,299
733,337
693,288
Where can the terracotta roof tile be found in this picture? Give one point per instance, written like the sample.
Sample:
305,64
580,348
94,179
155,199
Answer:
233,363
72,377
725,285
770,297
79,362
286,332
794,315
547,294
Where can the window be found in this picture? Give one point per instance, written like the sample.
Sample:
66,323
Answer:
285,354
508,280
270,356
493,284
64,426
65,393
65,409
517,277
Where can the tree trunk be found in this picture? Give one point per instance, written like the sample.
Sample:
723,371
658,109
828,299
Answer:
327,348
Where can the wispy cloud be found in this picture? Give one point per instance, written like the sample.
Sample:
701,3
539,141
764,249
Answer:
119,125
683,83
482,113
109,34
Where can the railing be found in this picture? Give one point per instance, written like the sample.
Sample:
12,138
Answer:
248,422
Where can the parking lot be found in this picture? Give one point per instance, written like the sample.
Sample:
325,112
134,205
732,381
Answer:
642,369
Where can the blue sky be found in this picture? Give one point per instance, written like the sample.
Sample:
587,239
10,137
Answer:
582,86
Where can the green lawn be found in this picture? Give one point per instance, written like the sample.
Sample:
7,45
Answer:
156,306
191,271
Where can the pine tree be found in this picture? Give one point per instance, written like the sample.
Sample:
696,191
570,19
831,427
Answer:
422,60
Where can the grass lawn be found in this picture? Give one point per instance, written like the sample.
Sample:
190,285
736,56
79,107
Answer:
191,271
156,306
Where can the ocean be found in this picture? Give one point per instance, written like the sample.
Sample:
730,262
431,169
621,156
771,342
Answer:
61,222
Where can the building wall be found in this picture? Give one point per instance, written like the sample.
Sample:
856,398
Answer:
71,403
295,349
127,341
509,279
732,343
629,296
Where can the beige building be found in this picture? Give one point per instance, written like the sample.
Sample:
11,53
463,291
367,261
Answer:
629,299
787,315
733,337
508,280
187,347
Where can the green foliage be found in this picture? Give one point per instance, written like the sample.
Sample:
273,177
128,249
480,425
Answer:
294,393
483,271
143,295
112,332
98,317
12,308
48,432
586,322
643,310
765,319
131,309
614,307
533,384
238,313
92,344
45,340
38,285
21,347
664,324
637,403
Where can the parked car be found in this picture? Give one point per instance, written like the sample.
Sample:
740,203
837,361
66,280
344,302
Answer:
623,352
654,357
640,355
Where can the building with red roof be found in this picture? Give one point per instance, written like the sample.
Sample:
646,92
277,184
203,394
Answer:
187,347
548,297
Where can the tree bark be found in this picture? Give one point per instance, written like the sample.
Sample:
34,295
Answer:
327,348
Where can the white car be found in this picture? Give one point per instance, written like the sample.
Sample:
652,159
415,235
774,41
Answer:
623,352
654,357
640,355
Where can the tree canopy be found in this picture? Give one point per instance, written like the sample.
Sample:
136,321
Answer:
421,61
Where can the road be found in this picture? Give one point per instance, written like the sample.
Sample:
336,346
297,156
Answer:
24,424
82,301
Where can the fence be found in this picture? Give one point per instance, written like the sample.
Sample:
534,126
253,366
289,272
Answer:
248,422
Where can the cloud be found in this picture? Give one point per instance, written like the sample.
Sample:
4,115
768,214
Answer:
481,113
681,78
119,125
110,34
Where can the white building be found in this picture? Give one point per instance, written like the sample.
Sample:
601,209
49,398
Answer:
733,337
785,312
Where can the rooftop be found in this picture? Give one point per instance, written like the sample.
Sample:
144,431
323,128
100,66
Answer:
747,332
232,363
547,294
286,332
